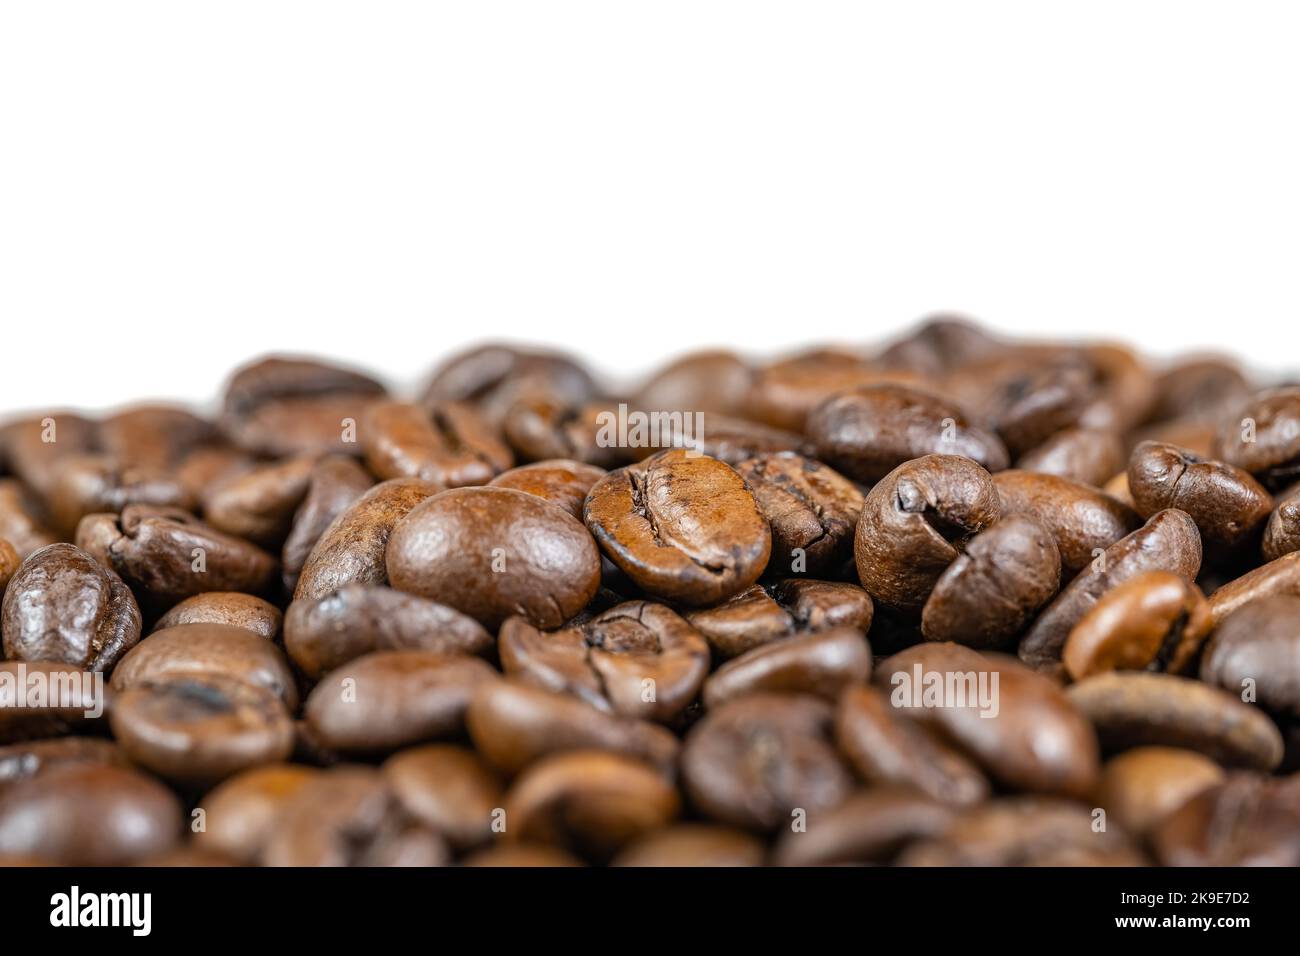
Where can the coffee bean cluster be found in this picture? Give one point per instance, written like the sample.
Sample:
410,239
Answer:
953,599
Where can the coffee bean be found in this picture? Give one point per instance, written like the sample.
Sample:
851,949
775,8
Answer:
1282,533
1199,389
448,443
23,761
73,701
560,481
940,345
335,483
448,789
786,392
1279,576
764,613
710,381
61,605
1256,650
730,440
35,447
693,844
820,665
1247,820
87,484
494,377
258,503
1088,456
521,855
1156,621
20,519
155,435
239,815
683,528
1141,787
9,562
870,827
225,607
1263,437
540,428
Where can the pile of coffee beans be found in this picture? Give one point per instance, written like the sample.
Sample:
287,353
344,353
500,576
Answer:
948,600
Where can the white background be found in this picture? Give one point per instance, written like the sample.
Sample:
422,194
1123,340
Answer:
185,184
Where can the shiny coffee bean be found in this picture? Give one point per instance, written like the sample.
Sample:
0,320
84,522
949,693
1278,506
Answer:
258,503
1141,787
885,746
820,665
683,528
1156,621
492,553
21,520
72,702
785,393
560,481
764,613
335,483
1263,437
870,827
695,845
22,761
225,607
1131,709
324,633
638,659
1256,649
1282,533
987,595
239,814
513,724
707,381
1227,504
1247,820
61,605
351,550
35,447
389,699
811,509
1088,456
540,428
868,432
448,443
88,484
913,523
494,377
448,789
1279,576
1169,541
757,760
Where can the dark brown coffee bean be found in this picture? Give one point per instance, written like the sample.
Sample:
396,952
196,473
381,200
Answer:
513,724
1156,621
335,483
198,730
352,549
494,552
560,481
1228,505
22,761
225,607
1016,724
822,605
750,619
758,760
202,650
87,813
287,406
1247,820
72,701
708,381
638,659
448,443
682,527
1279,576
695,845
868,432
258,503
36,446
1263,437
786,392
521,855
324,633
871,826
9,562
389,699
239,815
1131,709
449,789
1256,649
1083,520
1141,787
590,802
88,484
540,428
1282,533
730,440
811,509
158,436
1199,389
1168,541
1126,389
1088,456
885,746
821,665
21,522
494,377
939,345
61,605
1007,573
913,523
209,464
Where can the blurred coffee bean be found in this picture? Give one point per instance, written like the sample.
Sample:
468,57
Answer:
449,789
1279,576
225,607
1282,533
708,381
1255,651
560,481
494,377
870,827
21,522
1263,437
1141,787
239,815
1247,820
1088,456
693,844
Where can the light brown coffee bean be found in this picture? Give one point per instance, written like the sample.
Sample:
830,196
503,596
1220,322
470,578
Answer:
225,607
820,665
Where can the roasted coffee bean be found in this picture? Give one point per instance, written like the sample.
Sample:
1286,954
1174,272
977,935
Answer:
494,552
258,503
21,522
35,447
821,665
25,760
1015,723
1126,389
198,730
1256,649
868,432
513,724
870,827
1131,709
1088,456
494,377
638,659
158,436
352,549
388,699
1279,576
87,484
1263,437
521,855
710,381
539,428
683,528
1282,533
1141,787
240,813
71,700
335,483
1227,504
87,813
1083,520
449,789
1156,621
1025,831
755,761
913,523
885,746
287,406
61,605
204,650
9,562
1247,820
225,607
560,481
763,613
695,845
941,344
1199,389
811,509
324,633
787,391
1168,541
590,802
448,443
167,555
1006,574
730,440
